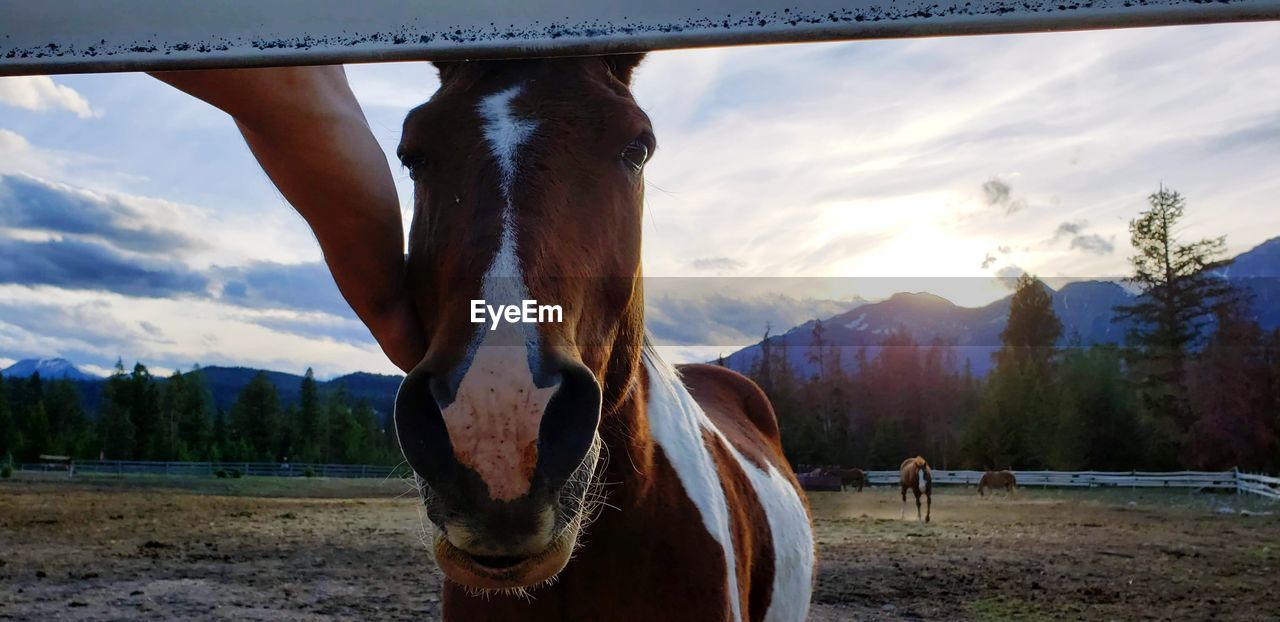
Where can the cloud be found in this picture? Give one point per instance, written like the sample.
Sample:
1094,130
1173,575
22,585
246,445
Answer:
30,203
1008,276
996,191
26,329
999,193
77,264
1088,242
988,261
730,321
1093,243
1068,229
717,264
1263,133
151,329
41,93
269,285
337,329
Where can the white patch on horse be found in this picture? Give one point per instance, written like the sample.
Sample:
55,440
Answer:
792,539
676,422
506,133
677,418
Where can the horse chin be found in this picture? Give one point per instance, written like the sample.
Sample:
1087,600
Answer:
579,501
505,575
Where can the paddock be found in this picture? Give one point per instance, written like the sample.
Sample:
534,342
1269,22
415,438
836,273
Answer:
102,547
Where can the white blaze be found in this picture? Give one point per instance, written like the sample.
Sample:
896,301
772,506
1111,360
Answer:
506,133
494,419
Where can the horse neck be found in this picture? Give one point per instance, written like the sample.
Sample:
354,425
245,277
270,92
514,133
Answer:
624,426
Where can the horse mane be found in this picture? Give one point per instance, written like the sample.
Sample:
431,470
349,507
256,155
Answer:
659,364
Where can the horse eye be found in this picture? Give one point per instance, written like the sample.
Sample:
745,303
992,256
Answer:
637,152
414,163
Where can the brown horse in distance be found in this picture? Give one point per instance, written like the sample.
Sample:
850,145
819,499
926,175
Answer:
917,476
997,479
849,478
567,471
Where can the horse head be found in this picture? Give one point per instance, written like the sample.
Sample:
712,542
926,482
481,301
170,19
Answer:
527,195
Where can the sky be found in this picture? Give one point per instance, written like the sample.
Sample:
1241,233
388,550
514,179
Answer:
790,182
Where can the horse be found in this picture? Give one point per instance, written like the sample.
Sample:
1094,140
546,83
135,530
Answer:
997,479
567,472
914,471
849,478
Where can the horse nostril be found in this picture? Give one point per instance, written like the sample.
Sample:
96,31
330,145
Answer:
568,426
420,427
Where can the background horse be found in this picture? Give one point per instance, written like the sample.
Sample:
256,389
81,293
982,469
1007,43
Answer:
997,479
528,185
916,474
849,478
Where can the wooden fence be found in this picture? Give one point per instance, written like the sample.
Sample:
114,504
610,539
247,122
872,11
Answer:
1262,485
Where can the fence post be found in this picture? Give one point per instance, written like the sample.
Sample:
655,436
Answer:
1235,472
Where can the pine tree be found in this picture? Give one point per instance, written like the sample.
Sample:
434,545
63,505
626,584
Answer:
171,398
34,432
817,354
68,421
8,430
187,403
1231,395
1016,426
764,373
344,435
220,444
255,420
311,436
144,410
367,425
1179,295
1099,426
1033,328
115,418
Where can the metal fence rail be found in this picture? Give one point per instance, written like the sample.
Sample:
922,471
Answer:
1259,485
79,36
211,469
1262,485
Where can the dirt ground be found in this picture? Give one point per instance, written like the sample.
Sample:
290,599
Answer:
258,549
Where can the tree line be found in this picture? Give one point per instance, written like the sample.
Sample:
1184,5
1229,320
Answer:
141,418
1195,385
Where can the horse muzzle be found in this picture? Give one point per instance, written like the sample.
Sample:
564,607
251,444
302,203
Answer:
505,484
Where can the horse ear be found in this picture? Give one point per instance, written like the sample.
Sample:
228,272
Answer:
622,65
446,68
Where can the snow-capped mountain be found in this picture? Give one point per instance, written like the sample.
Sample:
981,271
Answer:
53,369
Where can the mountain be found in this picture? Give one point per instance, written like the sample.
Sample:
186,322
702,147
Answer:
52,369
1085,309
1259,270
225,384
